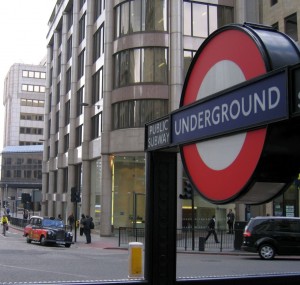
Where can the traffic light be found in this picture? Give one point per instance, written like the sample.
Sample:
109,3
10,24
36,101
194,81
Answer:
25,198
75,195
187,191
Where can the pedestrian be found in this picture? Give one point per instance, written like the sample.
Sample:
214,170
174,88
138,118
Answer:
59,217
25,214
230,221
87,228
81,225
211,229
71,220
4,222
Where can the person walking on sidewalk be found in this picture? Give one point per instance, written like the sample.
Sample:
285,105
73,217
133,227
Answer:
87,228
211,229
71,220
81,225
4,222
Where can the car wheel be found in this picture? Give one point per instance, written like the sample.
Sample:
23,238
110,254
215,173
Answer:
42,241
266,251
67,245
28,240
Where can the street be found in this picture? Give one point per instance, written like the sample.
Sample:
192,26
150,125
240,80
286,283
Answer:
21,262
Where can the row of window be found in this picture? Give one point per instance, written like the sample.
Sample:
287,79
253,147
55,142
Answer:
141,65
140,15
34,74
31,117
21,160
29,143
32,103
25,174
31,131
135,113
33,88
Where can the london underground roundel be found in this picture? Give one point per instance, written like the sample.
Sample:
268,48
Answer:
220,168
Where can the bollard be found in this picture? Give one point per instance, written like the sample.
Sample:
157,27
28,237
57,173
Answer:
201,243
135,260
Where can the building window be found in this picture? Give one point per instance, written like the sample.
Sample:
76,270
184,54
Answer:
56,148
78,138
200,19
81,3
57,122
97,86
49,129
59,64
98,42
80,64
188,57
98,8
273,2
59,38
276,26
70,20
65,178
57,92
141,65
68,80
67,112
135,113
79,100
17,174
140,15
96,126
81,29
66,142
69,48
290,26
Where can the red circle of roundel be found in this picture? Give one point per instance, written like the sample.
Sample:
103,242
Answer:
223,185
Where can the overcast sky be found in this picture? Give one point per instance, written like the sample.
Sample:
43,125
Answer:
23,31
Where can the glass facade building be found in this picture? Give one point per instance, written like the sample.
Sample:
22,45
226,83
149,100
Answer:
112,66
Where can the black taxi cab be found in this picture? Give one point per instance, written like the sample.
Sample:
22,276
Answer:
48,230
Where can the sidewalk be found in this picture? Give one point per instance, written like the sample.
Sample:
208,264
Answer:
112,242
98,242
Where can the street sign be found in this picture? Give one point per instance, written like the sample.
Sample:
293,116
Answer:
157,134
246,106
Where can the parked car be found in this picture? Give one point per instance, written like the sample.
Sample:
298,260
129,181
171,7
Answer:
47,230
270,236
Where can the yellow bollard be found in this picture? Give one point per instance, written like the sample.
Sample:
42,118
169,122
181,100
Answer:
135,260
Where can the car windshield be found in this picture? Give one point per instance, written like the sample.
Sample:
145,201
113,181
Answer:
53,223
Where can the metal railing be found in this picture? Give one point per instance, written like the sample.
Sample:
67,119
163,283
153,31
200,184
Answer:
22,223
184,238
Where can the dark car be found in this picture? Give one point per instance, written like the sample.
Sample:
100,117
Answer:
48,231
270,236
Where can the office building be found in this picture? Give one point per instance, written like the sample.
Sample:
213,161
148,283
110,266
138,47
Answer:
113,66
21,164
